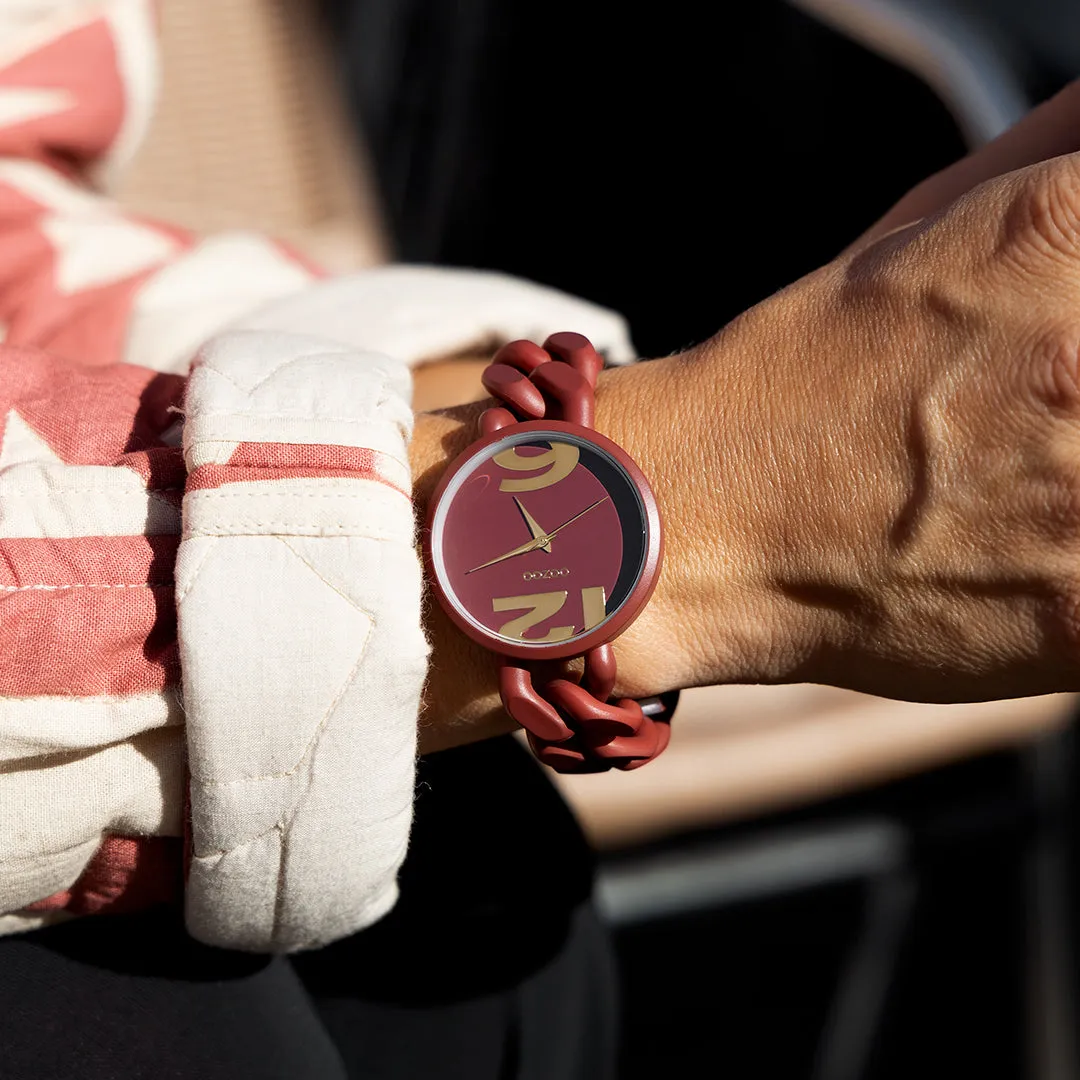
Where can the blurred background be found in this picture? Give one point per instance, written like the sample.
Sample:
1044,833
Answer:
810,883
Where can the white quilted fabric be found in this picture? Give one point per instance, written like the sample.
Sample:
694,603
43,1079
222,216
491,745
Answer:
301,668
298,587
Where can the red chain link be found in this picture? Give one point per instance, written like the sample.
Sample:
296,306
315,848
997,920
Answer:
571,727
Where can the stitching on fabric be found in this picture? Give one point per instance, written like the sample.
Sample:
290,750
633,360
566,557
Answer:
274,370
371,476
284,823
329,584
317,733
224,374
256,414
281,367
213,493
217,853
92,585
223,529
113,491
181,594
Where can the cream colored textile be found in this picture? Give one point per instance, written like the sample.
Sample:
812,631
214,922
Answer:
424,313
298,599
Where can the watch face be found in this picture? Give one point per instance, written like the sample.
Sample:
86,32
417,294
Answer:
539,539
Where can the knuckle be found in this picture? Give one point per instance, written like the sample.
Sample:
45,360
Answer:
1062,509
1054,506
1043,212
1054,372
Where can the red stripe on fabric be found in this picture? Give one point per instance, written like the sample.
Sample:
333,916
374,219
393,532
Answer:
83,642
88,415
83,63
86,560
88,327
285,461
88,616
216,476
126,874
16,207
304,455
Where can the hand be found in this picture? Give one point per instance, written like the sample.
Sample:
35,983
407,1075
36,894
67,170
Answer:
911,464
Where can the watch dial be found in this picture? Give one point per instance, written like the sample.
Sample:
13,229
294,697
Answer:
539,539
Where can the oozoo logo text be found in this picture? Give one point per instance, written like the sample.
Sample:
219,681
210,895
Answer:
545,575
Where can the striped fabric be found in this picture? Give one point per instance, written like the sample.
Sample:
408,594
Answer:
207,557
91,474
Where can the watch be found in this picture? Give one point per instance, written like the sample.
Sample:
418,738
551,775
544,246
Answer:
543,542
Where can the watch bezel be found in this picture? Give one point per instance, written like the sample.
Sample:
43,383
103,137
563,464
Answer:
638,596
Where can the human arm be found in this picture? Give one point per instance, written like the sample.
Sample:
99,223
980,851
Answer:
869,480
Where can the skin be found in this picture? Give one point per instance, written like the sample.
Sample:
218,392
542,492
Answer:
870,480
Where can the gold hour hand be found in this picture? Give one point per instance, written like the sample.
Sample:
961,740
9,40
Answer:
533,526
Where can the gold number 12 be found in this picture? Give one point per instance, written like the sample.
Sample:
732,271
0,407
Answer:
542,606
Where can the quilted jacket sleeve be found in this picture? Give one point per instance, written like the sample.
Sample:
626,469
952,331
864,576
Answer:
210,643
107,532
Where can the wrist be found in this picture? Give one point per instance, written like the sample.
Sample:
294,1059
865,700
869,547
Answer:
715,615
719,613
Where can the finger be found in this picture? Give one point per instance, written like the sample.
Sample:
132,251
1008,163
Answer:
1048,131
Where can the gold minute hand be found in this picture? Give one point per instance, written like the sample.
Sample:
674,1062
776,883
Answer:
580,513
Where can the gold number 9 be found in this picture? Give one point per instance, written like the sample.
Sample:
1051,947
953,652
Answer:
558,462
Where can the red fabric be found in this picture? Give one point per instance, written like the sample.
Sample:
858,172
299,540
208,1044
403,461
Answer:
88,325
88,616
128,873
277,461
83,64
88,415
